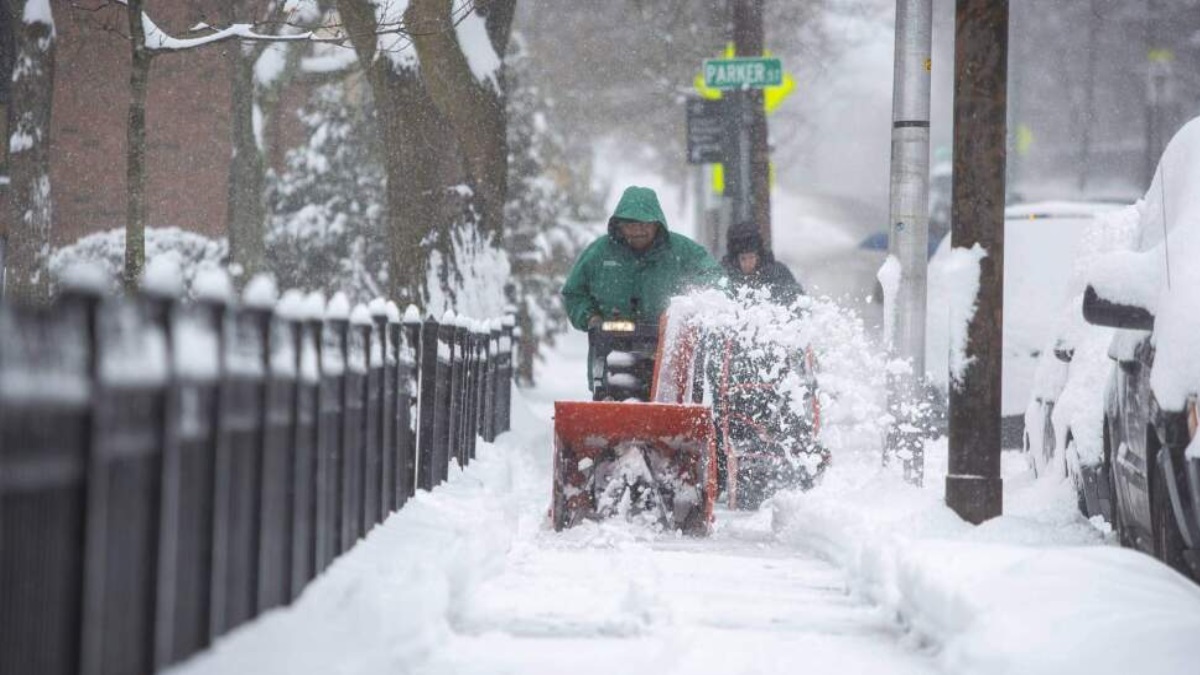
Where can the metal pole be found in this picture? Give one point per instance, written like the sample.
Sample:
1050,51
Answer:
909,240
973,484
909,222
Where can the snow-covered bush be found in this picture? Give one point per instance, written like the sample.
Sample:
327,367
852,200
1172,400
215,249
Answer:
326,226
191,252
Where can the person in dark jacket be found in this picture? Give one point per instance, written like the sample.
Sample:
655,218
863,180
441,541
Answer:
750,266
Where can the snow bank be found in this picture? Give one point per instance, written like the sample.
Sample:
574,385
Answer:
1028,592
394,600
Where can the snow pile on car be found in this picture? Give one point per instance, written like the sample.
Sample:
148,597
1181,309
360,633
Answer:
1023,593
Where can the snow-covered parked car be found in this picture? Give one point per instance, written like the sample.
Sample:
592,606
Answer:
1150,296
1064,417
1041,243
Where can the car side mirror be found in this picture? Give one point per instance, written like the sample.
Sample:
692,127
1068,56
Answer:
1102,312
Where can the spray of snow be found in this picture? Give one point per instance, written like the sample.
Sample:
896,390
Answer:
850,371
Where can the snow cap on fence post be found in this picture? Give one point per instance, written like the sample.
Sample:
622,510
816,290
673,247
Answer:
261,292
313,308
412,314
392,311
86,278
361,316
212,284
378,307
338,308
291,306
163,278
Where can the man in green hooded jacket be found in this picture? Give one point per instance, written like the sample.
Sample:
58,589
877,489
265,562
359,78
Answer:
633,271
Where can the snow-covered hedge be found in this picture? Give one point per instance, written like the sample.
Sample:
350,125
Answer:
189,251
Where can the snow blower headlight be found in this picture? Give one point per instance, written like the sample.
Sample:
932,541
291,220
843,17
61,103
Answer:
618,326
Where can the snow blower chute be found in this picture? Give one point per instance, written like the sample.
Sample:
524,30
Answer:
652,460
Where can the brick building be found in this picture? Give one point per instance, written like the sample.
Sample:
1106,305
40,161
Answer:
187,121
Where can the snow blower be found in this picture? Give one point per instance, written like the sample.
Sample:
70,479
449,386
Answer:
649,455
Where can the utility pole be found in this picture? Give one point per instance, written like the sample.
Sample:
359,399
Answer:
754,165
908,242
973,485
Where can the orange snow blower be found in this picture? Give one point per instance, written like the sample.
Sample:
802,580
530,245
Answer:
641,450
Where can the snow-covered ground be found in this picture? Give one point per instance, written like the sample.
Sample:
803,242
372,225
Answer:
863,575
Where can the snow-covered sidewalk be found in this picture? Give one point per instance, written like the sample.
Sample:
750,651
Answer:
863,575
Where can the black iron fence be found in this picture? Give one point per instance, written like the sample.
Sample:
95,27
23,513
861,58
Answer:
169,471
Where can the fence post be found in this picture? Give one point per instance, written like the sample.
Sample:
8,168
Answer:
442,422
496,383
44,446
427,473
472,417
238,492
487,413
329,425
454,444
124,490
384,362
183,589
505,367
408,416
357,421
305,313
277,477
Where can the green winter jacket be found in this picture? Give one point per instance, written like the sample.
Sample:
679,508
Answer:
609,275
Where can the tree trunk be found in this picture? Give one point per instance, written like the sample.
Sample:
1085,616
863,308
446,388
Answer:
973,484
135,161
474,107
29,159
246,213
419,157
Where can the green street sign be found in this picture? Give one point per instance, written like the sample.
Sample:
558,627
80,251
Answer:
751,73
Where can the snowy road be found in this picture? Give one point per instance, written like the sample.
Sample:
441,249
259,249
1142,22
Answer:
731,604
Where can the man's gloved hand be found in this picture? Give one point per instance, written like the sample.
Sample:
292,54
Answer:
594,322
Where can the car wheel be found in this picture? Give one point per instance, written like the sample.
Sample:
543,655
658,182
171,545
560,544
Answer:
1118,521
1076,480
1049,441
1168,542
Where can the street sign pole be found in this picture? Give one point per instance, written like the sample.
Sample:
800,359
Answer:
904,308
973,483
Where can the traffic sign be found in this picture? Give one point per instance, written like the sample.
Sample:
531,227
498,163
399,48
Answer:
739,73
706,127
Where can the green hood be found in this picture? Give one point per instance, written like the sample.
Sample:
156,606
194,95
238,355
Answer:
638,203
